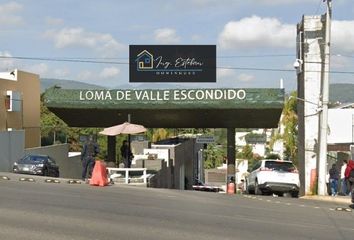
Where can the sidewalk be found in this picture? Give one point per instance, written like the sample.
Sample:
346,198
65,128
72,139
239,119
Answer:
336,199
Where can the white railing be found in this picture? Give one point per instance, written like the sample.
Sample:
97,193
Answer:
127,171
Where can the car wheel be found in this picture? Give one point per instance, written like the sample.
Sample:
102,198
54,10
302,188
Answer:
249,191
295,194
279,194
257,190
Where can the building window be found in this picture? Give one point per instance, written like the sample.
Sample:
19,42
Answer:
7,102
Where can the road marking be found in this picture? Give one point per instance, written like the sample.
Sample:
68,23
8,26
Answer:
5,178
300,205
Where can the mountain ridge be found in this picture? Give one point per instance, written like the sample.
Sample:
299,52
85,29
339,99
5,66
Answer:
338,92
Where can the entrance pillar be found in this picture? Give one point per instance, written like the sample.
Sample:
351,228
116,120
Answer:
111,149
230,181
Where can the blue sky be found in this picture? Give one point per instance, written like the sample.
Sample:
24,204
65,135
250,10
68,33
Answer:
244,32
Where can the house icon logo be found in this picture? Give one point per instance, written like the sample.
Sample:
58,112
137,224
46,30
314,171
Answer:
144,61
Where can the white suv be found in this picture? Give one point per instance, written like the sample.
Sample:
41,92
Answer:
273,176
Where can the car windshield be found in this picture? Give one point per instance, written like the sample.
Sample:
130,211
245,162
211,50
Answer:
280,166
32,160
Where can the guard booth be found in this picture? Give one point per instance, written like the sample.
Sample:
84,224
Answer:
228,108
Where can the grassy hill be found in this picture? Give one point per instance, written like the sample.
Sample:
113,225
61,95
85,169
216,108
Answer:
341,92
66,84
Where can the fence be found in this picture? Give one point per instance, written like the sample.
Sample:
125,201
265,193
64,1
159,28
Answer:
128,176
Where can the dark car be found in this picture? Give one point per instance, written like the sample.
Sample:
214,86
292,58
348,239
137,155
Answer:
37,165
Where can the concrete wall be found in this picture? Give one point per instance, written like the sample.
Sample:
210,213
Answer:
28,118
68,167
12,144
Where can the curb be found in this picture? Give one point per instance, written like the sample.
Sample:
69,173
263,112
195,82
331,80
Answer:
35,178
337,199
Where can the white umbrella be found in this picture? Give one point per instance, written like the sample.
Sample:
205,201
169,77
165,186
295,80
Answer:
124,128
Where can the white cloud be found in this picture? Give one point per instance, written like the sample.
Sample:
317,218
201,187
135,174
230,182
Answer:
233,3
223,73
84,75
109,72
196,38
61,73
9,14
243,77
342,34
41,69
283,2
104,44
166,36
256,32
54,21
6,64
338,61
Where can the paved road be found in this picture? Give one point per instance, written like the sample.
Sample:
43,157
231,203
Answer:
78,211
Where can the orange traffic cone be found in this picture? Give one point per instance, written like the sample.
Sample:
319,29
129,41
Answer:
231,188
99,175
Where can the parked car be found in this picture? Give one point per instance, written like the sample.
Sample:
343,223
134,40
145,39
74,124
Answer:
37,165
273,176
201,186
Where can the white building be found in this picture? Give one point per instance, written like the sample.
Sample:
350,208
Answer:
341,129
259,146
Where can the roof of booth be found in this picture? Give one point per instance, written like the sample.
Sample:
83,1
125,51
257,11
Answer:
168,108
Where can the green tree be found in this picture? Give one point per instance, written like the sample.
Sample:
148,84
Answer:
52,127
214,156
290,123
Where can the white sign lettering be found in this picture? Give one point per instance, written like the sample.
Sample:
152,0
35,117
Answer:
163,95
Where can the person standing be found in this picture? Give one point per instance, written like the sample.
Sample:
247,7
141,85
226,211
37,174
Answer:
88,154
343,182
333,179
349,174
126,154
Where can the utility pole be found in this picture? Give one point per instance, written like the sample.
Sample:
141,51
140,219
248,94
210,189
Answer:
323,120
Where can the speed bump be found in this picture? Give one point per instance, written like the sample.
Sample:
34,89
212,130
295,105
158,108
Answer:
52,181
74,182
343,209
5,178
23,179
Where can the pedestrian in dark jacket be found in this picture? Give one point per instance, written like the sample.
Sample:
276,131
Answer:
88,154
333,179
126,154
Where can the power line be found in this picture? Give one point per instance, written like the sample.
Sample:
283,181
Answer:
62,60
75,60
